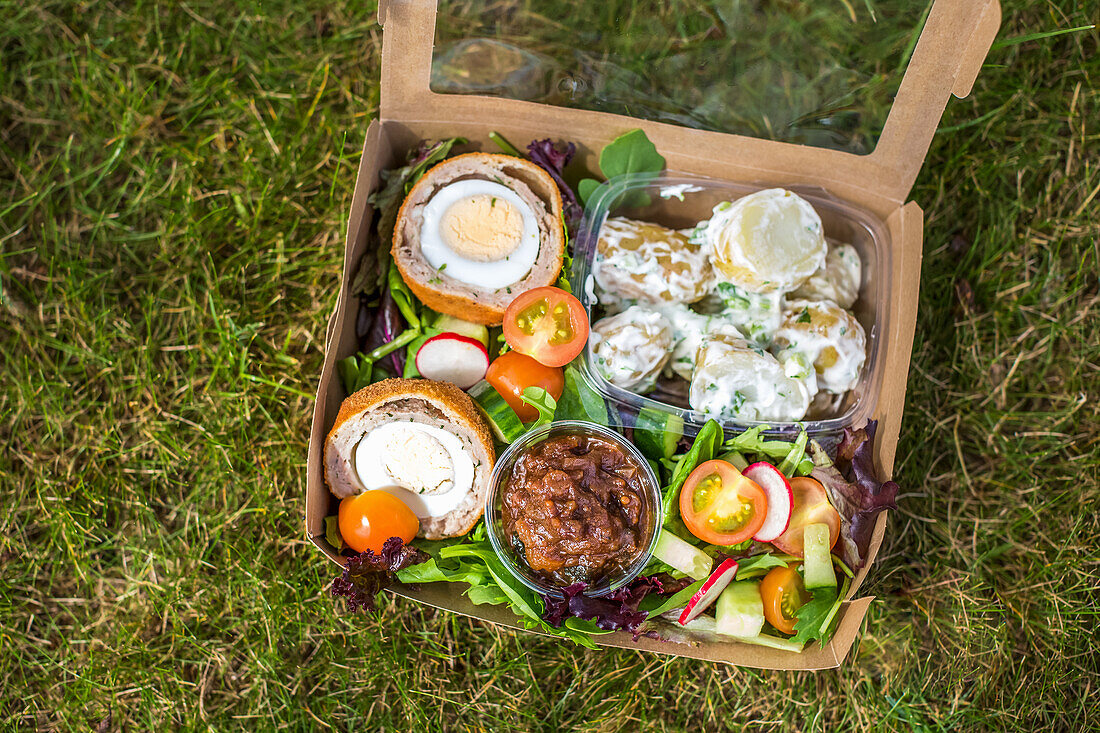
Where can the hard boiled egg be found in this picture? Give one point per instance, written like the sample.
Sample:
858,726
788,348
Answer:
426,467
479,232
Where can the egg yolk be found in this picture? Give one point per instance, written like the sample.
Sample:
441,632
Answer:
482,228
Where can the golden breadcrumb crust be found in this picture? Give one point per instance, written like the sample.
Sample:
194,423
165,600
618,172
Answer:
459,306
458,407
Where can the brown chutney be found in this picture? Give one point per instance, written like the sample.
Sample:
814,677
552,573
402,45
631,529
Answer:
576,509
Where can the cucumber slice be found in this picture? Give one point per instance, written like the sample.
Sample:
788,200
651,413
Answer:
656,432
817,568
737,459
685,557
502,418
740,611
450,324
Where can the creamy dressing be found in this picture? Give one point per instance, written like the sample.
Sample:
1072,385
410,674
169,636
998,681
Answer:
828,337
590,289
767,241
757,315
387,445
689,330
498,273
838,280
631,348
678,190
646,262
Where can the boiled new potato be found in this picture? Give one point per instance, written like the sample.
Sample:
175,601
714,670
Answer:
637,260
735,379
768,241
837,281
631,348
825,337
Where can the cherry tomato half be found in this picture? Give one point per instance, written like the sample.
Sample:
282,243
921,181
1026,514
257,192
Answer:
547,324
811,506
721,506
512,372
367,520
783,593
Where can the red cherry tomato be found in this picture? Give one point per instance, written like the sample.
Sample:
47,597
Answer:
721,506
547,324
367,520
512,372
783,593
811,506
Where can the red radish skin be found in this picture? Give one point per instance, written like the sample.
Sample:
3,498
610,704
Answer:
451,357
710,590
780,499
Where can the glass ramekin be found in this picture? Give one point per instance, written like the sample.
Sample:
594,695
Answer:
502,472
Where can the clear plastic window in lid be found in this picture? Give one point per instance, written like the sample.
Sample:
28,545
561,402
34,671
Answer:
822,74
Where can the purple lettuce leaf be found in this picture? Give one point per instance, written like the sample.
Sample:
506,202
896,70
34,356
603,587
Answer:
618,610
367,573
856,491
364,317
553,158
668,585
388,324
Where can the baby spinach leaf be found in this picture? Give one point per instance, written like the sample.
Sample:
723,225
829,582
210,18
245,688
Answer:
814,616
631,152
579,401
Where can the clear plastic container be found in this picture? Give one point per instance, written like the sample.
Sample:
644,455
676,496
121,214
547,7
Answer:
502,472
681,202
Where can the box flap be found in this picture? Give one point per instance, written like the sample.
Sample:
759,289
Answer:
945,60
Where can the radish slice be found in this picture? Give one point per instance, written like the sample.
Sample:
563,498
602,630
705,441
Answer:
710,591
449,357
780,499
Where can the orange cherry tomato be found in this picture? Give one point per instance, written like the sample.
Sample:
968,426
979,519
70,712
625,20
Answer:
783,593
811,506
512,372
547,324
367,520
721,506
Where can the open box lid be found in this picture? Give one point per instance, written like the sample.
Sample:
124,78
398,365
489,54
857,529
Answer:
945,60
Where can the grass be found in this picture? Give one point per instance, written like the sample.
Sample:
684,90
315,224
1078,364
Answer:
172,206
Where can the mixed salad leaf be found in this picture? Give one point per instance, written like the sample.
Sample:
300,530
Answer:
367,573
854,489
680,577
553,158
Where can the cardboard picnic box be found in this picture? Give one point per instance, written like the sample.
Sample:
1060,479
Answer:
946,59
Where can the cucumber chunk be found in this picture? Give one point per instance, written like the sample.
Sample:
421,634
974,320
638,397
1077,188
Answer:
502,418
817,568
657,432
683,556
450,324
740,611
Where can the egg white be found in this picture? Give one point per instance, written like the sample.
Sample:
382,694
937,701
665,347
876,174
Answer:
369,467
484,275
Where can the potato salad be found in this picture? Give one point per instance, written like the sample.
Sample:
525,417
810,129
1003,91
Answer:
749,307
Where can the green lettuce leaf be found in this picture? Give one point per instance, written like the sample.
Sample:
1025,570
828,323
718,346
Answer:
815,617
